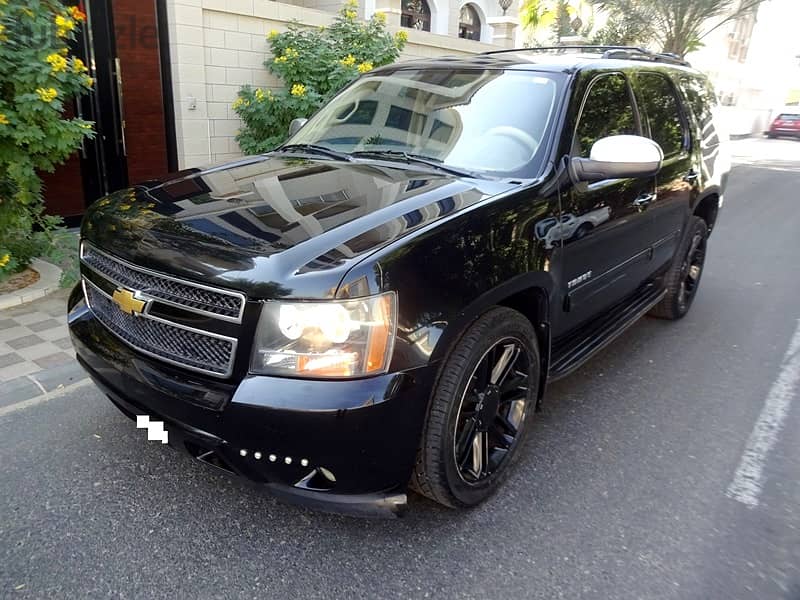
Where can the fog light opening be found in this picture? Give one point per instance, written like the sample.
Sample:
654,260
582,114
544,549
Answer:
318,480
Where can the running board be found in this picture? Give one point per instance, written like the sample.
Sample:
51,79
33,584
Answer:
575,349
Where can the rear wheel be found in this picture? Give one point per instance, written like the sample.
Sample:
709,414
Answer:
486,388
683,278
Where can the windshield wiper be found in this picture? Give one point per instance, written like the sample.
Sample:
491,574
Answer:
413,158
315,149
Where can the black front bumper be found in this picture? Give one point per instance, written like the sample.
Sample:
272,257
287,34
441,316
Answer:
290,435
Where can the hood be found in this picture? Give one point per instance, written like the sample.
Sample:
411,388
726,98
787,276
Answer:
276,227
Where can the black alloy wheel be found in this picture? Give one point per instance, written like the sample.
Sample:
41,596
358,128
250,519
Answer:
492,410
692,268
479,412
683,278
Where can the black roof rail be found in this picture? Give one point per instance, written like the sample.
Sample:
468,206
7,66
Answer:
610,51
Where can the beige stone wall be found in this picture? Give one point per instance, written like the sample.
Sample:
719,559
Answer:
216,46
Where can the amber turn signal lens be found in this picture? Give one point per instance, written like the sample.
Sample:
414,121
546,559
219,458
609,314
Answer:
379,343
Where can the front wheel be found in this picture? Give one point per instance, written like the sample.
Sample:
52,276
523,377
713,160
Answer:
486,388
683,278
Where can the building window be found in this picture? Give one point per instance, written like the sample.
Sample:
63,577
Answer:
739,38
416,15
469,23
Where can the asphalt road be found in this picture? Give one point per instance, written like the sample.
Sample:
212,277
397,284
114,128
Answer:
620,493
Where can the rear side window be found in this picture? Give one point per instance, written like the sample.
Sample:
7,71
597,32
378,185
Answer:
701,99
663,112
607,110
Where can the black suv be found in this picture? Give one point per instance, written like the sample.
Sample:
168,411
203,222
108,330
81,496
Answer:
381,301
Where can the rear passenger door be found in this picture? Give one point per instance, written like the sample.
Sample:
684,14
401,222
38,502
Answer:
665,121
604,237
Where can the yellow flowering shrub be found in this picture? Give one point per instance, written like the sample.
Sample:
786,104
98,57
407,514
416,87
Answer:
314,64
35,135
57,62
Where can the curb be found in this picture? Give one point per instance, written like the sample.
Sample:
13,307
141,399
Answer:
49,281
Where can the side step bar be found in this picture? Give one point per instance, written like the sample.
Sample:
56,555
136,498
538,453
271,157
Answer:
571,352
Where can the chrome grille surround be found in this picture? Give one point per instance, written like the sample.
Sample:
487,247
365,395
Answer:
194,297
186,347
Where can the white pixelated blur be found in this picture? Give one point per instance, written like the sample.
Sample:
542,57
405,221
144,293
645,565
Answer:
155,429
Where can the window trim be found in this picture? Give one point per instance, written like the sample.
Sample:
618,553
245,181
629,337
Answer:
631,96
687,141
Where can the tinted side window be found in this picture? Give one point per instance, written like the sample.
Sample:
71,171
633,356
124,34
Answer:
701,99
607,110
663,112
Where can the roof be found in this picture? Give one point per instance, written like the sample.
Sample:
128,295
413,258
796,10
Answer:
549,59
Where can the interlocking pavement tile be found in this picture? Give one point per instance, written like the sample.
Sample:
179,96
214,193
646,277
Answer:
25,341
62,375
27,318
12,358
13,333
17,370
54,360
64,343
7,324
38,350
54,334
18,390
46,324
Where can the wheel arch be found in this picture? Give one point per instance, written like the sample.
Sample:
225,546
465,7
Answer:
707,208
528,294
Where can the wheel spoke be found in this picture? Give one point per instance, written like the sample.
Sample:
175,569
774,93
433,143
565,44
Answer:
464,441
480,454
514,383
506,360
506,425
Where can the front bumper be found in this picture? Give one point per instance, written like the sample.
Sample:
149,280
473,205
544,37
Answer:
342,446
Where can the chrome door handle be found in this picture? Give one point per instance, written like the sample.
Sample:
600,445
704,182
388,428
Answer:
691,176
644,200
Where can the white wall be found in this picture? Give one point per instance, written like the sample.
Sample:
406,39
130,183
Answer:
760,83
216,46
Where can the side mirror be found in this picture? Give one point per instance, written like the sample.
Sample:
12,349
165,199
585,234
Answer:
618,157
296,125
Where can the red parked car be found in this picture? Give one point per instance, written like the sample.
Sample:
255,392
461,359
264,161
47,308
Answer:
785,124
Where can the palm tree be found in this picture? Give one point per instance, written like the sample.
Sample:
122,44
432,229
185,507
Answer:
678,25
563,17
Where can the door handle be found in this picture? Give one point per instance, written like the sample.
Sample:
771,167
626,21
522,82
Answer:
643,200
691,176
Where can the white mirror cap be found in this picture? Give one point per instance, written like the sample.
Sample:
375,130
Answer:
626,149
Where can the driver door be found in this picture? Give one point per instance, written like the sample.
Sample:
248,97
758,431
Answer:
606,256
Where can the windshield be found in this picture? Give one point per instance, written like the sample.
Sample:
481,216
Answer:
489,121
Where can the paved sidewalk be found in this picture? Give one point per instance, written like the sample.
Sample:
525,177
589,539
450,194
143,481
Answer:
36,355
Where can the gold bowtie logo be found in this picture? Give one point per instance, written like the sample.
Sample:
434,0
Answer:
128,302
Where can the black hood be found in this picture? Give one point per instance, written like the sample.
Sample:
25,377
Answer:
275,227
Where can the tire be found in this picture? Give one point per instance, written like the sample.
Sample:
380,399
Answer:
582,231
456,396
683,278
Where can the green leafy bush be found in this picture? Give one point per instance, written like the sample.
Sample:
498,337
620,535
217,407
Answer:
314,64
38,77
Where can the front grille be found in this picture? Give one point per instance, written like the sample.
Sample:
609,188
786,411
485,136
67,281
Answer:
190,348
193,297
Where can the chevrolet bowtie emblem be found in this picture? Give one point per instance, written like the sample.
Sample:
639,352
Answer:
128,302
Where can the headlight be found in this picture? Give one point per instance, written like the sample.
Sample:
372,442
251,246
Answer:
348,338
